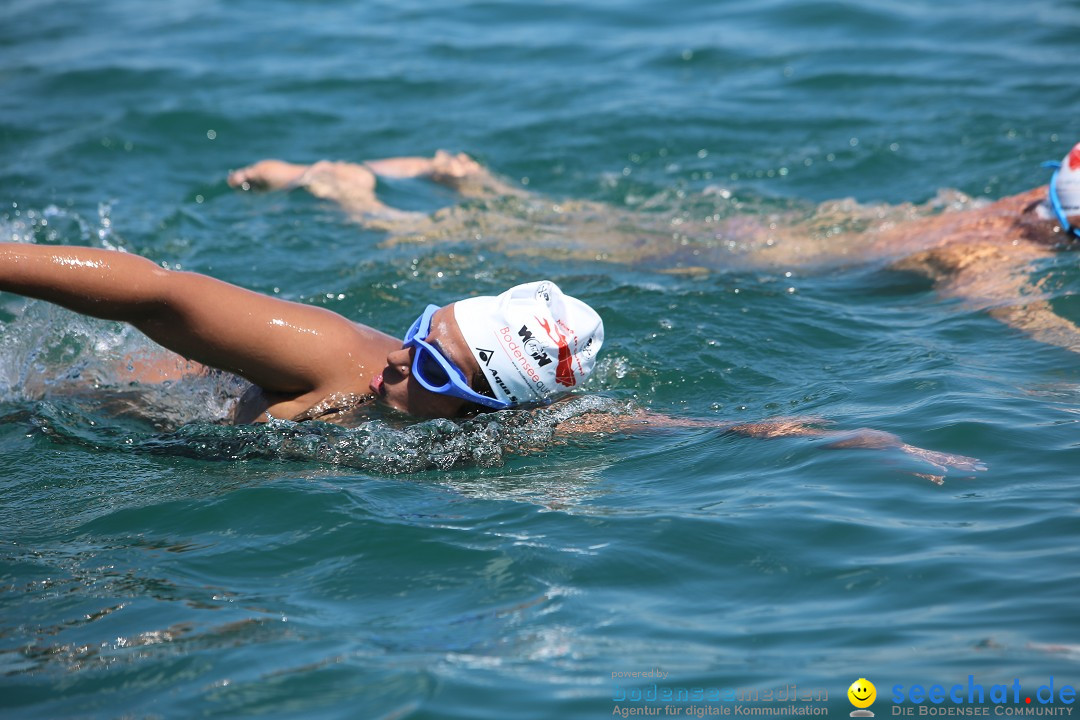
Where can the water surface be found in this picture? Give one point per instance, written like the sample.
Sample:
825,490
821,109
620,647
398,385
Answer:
158,564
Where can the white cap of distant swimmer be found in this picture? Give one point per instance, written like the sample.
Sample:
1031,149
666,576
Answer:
1068,187
533,342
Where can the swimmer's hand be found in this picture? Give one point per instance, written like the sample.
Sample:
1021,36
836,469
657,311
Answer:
943,461
876,439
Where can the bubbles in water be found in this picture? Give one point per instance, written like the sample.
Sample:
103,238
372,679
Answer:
376,445
90,382
48,353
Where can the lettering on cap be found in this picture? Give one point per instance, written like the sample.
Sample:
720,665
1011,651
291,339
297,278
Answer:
500,383
533,346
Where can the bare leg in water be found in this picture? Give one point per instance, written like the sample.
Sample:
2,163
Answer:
504,215
352,185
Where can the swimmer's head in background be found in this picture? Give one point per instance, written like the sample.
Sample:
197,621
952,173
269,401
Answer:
1063,197
533,342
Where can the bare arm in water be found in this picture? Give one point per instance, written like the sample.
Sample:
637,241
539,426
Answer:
987,260
983,256
770,429
297,354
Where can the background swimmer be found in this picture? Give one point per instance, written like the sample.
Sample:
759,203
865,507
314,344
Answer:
982,256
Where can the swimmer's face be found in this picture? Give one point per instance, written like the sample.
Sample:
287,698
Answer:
401,391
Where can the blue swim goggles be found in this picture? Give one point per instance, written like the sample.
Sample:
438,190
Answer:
435,372
1055,201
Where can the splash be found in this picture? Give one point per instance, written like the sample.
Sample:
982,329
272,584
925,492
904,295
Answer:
49,354
378,445
78,380
66,376
53,224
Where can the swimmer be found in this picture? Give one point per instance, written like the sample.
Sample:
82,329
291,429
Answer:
529,346
983,256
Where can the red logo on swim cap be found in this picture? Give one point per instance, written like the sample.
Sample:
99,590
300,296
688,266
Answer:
1074,158
564,371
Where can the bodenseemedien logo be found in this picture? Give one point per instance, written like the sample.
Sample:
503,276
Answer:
862,694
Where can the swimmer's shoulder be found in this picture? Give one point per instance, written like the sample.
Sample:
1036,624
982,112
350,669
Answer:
257,405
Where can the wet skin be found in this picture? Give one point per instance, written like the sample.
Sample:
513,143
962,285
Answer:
394,387
983,256
297,356
302,361
397,388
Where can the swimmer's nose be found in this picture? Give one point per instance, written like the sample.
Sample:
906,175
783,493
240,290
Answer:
401,360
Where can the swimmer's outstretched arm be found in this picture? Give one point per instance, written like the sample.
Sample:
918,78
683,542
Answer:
460,172
986,257
1007,292
287,348
859,438
997,279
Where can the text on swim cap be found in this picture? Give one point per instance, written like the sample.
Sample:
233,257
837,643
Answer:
516,352
499,381
533,346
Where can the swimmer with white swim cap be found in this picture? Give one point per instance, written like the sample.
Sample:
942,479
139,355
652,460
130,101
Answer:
527,346
532,342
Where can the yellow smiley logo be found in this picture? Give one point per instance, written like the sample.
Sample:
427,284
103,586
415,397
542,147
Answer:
862,693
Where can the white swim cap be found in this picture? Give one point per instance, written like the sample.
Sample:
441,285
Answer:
1068,187
533,342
